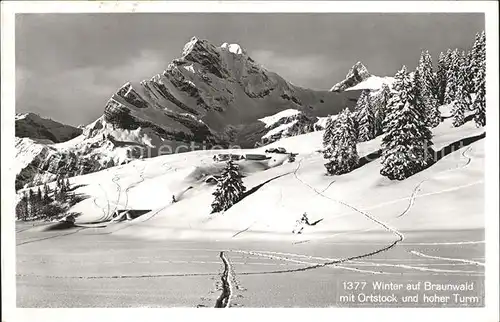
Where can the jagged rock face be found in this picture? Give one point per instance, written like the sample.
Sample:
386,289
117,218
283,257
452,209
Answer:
33,126
43,163
208,96
356,75
219,86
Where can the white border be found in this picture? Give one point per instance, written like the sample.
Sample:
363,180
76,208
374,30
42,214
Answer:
8,10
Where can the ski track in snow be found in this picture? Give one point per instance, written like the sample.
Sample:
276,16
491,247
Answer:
447,243
400,236
307,263
419,185
356,262
50,237
412,197
104,212
119,188
448,259
224,300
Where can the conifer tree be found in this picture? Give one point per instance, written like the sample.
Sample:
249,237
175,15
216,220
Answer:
418,94
406,136
343,155
37,202
462,99
479,105
381,102
469,72
229,189
451,77
31,203
39,196
22,208
441,76
327,136
364,118
46,194
425,82
477,58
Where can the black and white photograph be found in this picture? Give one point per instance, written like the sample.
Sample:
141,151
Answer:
251,159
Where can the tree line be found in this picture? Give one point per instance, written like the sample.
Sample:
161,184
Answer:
44,203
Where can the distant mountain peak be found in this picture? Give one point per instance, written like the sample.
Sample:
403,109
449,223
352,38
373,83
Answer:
33,126
233,48
356,75
360,69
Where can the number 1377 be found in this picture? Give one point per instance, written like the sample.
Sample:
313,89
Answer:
354,286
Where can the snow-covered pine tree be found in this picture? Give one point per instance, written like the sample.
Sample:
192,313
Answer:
407,137
364,117
463,75
327,137
479,105
419,95
478,58
366,120
380,106
229,189
462,99
441,78
427,94
343,156
469,83
452,75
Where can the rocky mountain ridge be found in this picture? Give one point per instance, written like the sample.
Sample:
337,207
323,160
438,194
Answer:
209,96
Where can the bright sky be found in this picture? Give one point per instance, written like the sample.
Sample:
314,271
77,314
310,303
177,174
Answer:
68,65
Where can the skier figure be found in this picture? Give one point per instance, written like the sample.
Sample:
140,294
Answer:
173,199
305,219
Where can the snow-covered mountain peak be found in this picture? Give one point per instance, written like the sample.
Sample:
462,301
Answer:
233,48
358,78
188,47
196,45
356,75
360,69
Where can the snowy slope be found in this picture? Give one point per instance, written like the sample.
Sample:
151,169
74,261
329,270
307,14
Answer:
287,123
372,83
272,119
448,195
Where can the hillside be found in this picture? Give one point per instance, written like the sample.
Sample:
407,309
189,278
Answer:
447,195
30,125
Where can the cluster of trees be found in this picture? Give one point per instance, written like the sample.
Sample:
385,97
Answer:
230,188
460,80
406,114
45,203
